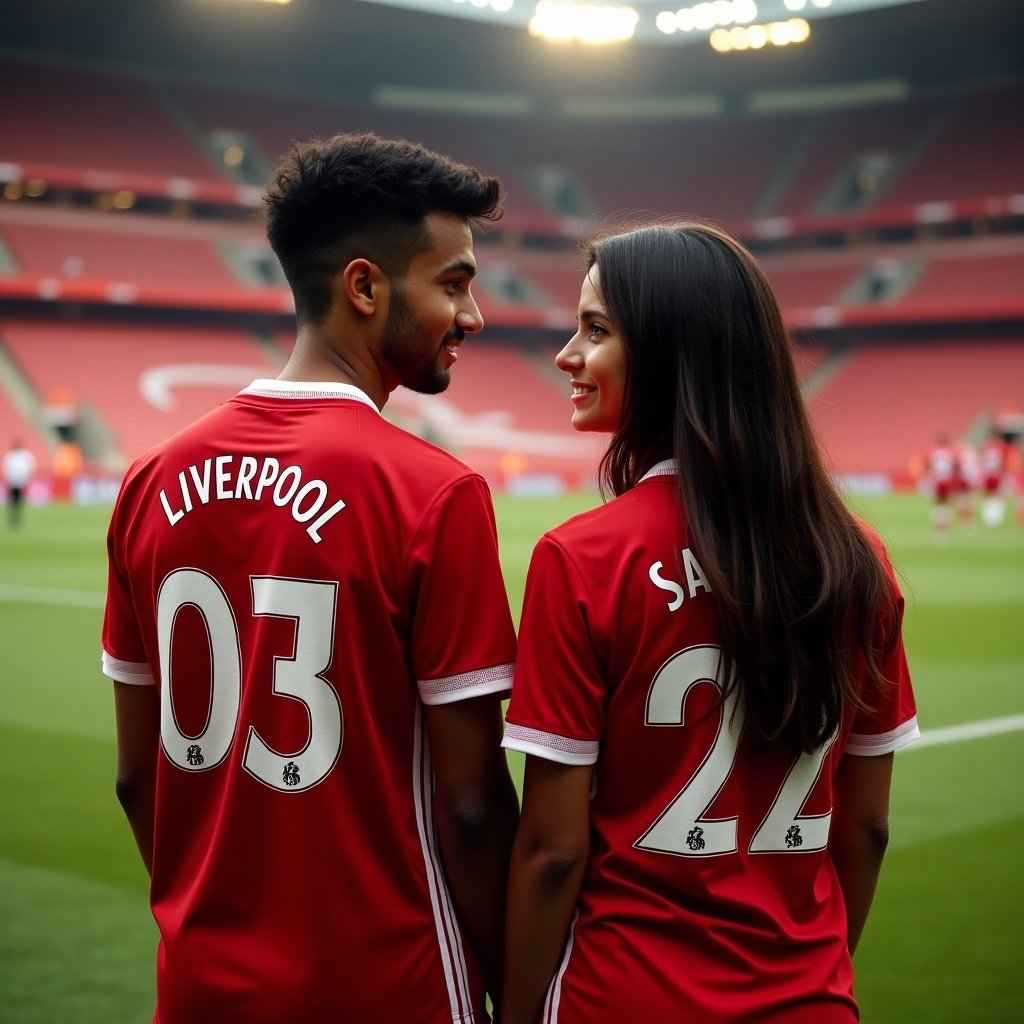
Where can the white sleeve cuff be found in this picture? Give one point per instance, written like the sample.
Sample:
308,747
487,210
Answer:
550,745
863,745
137,673
479,683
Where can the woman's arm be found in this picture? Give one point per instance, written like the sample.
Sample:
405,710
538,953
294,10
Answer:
549,858
859,834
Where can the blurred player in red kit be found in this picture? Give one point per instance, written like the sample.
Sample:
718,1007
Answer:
711,680
995,459
309,636
942,470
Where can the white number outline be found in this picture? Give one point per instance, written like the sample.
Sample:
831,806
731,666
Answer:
686,813
300,677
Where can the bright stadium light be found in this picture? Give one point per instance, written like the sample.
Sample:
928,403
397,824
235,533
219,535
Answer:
704,16
800,30
584,23
645,21
721,40
685,19
756,37
744,11
666,22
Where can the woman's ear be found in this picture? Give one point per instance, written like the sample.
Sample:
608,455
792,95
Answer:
359,285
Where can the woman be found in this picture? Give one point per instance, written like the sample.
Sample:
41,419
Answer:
703,663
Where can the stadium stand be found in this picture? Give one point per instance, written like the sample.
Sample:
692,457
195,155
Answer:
273,124
686,168
858,216
140,381
890,401
117,123
847,151
980,277
976,152
506,413
53,251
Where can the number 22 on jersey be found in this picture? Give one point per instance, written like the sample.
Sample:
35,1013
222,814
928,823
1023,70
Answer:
683,828
312,604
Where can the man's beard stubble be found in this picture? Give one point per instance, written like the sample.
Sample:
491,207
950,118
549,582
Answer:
401,346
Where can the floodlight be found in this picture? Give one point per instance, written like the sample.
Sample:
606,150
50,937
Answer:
666,22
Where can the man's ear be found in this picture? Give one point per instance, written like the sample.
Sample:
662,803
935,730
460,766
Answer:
361,285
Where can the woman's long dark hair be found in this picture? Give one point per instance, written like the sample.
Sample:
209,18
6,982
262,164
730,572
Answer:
711,383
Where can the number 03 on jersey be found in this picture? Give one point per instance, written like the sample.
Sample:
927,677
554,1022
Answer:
311,604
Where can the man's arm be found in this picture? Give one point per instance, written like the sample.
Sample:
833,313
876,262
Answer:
859,834
137,709
548,862
476,811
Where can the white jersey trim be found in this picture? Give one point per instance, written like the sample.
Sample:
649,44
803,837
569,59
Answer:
268,388
449,934
550,745
138,673
554,995
447,689
667,467
863,745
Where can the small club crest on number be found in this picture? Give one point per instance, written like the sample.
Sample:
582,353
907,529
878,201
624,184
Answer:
194,755
793,837
694,838
290,777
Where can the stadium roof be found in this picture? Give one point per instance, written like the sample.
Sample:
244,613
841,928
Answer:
353,49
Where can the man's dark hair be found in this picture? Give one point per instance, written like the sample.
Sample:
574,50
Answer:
358,195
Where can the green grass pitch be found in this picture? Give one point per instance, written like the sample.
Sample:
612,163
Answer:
946,936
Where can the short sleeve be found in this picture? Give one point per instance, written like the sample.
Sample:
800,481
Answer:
463,640
124,655
559,696
891,721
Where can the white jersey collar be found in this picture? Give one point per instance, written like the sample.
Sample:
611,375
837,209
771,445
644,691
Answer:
314,389
667,467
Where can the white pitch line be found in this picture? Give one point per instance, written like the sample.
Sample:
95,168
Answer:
966,731
51,595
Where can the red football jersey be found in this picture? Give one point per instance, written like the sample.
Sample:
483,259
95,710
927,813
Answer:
943,470
994,459
298,577
709,894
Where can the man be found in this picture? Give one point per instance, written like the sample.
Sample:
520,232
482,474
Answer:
19,465
309,636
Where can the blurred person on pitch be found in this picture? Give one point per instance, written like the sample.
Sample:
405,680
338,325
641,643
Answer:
995,466
944,479
309,636
711,679
968,482
19,466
